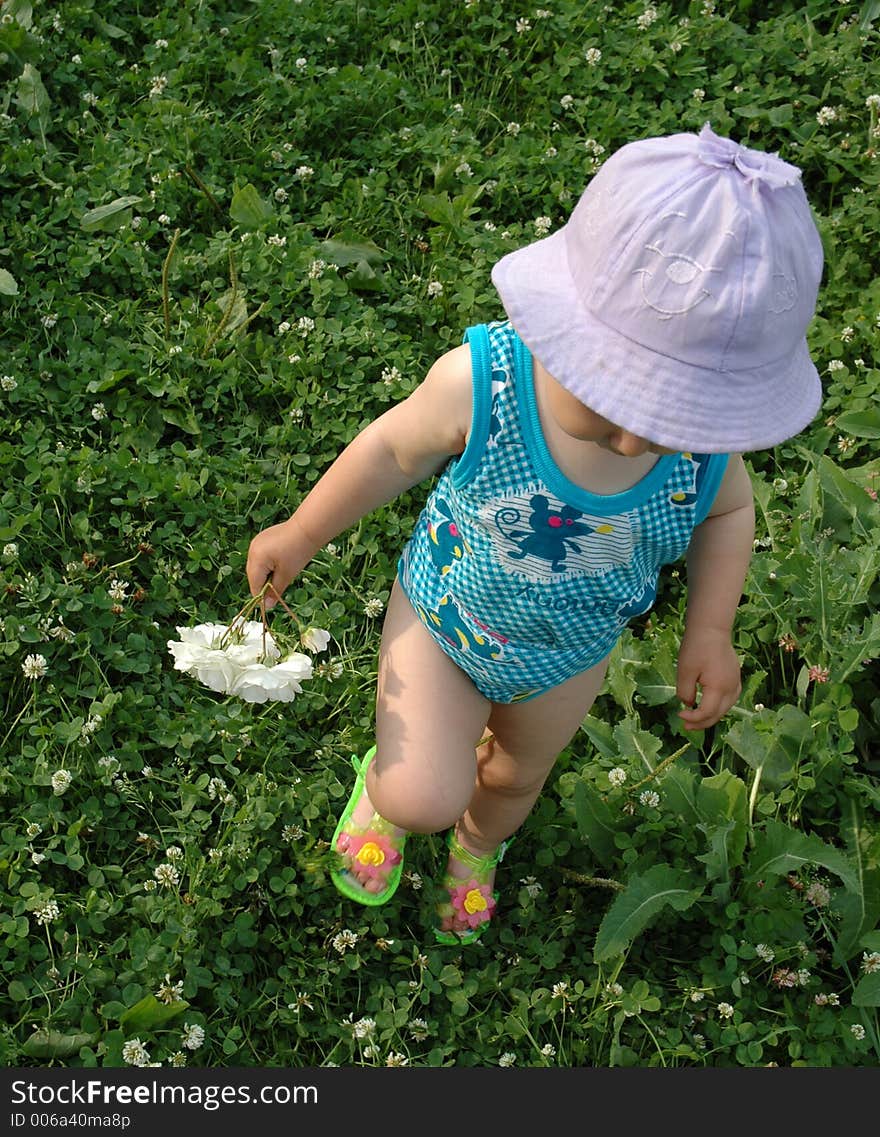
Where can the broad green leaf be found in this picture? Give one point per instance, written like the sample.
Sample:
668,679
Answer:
350,248
645,896
249,210
32,97
149,1014
114,215
8,283
869,13
637,743
595,822
861,424
54,1044
722,797
723,852
22,11
600,735
679,793
867,991
780,849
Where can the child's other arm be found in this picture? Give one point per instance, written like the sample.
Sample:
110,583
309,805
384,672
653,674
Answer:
407,444
717,562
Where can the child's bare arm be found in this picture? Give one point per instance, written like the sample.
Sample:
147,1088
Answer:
404,446
717,563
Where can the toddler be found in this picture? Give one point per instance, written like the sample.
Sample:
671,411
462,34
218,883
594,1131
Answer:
589,438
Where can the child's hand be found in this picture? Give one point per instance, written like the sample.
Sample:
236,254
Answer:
707,663
276,554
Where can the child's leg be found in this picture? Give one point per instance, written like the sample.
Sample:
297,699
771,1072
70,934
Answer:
429,717
514,763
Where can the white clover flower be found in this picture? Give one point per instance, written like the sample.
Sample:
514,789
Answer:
344,940
592,55
117,589
303,172
836,365
513,128
560,990
523,26
649,798
418,1029
317,269
166,875
61,781
169,992
158,83
160,43
34,829
135,1053
825,115
870,962
532,886
548,1050
847,334
174,853
315,639
725,1010
10,550
872,101
617,776
193,1036
435,288
507,1059
292,833
364,1028
276,240
857,1031
765,953
305,324
543,225
37,858
464,168
46,912
8,382
374,607
698,94
817,894
34,666
647,17
696,995
566,101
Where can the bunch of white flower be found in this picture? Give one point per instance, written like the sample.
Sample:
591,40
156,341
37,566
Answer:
244,659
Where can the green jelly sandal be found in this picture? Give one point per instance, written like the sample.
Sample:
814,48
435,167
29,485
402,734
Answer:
470,898
376,849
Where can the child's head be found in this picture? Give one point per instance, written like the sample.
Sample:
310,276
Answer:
675,300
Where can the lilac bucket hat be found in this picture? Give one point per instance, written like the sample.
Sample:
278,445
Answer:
675,300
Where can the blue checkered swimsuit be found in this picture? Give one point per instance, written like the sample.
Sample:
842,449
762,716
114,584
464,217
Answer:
524,578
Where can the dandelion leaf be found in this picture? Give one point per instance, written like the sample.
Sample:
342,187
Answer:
107,218
780,849
249,210
149,1014
644,898
595,822
54,1044
8,283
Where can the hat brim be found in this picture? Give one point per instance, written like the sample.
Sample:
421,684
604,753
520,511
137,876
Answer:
670,403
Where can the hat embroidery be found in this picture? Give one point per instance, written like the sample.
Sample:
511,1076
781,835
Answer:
682,270
785,293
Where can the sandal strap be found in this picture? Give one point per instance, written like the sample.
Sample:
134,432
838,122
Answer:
473,862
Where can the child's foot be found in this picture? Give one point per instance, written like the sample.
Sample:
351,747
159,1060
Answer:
470,900
370,848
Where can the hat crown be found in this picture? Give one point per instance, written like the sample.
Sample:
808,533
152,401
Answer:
698,249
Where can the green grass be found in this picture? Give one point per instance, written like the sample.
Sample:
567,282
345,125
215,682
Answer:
222,228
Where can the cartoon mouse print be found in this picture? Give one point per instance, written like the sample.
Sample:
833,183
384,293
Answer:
552,533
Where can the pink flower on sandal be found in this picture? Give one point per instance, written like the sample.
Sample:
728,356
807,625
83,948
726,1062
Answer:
373,852
473,903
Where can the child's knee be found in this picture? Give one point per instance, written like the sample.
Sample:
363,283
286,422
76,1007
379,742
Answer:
419,803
